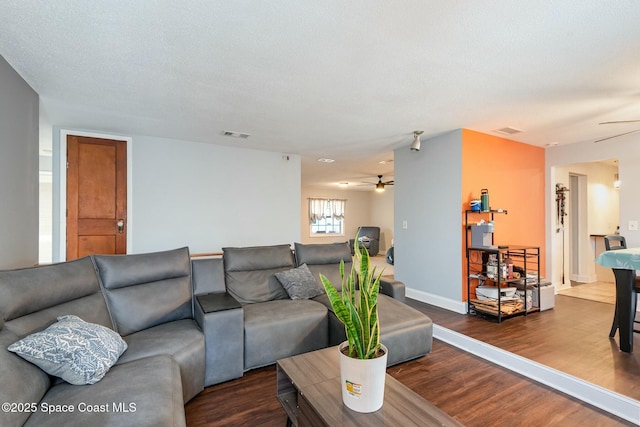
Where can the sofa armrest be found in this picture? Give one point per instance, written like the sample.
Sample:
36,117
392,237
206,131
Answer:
217,301
393,288
223,339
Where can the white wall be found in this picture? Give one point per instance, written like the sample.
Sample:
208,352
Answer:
45,248
207,196
627,150
428,196
364,208
18,170
603,199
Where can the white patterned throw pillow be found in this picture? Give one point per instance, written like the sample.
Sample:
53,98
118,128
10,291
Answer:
72,349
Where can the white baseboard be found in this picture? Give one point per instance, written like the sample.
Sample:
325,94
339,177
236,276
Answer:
584,278
437,300
607,400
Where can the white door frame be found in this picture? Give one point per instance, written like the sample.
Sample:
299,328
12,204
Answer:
62,223
581,255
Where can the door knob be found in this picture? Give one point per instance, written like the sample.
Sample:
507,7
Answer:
120,224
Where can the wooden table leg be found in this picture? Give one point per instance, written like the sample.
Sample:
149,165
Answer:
625,306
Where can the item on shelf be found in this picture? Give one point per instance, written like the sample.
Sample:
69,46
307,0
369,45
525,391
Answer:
475,205
482,234
508,263
484,200
528,298
492,267
490,293
492,307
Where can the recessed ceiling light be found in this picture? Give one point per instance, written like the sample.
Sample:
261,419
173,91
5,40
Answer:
509,130
325,160
235,134
385,162
551,144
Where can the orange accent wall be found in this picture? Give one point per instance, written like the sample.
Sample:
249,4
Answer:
514,174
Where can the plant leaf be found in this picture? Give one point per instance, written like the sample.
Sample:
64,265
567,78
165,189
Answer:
344,312
357,310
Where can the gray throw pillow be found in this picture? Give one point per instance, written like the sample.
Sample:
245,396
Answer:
300,283
72,349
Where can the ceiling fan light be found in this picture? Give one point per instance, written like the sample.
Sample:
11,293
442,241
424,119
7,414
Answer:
415,145
379,187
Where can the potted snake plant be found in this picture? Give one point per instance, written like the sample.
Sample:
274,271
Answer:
363,359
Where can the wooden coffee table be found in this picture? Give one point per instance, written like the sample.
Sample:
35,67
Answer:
309,390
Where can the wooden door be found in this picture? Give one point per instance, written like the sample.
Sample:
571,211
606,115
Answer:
96,196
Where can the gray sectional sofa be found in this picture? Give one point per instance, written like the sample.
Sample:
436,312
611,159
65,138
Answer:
187,324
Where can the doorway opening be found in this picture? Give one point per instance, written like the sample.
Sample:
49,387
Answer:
592,213
59,193
96,196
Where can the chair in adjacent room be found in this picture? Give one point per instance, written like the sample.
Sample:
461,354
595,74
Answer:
612,243
369,237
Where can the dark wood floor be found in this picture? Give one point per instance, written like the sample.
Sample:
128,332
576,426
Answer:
573,337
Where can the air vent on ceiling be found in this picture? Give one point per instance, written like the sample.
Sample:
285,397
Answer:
508,130
235,134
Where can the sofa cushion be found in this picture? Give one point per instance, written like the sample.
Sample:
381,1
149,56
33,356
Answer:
325,259
207,275
300,283
22,382
145,290
278,329
182,340
249,272
72,349
33,298
143,392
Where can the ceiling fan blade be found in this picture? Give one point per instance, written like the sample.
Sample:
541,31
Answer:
619,121
615,136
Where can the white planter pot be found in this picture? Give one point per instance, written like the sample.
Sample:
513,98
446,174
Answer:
362,381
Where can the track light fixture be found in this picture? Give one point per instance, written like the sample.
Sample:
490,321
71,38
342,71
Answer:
415,145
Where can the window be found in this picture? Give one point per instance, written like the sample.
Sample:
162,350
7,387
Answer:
326,217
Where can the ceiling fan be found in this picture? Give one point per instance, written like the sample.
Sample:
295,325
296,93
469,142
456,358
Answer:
620,134
380,184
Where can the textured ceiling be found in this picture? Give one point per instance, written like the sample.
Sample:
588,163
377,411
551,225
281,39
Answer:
348,80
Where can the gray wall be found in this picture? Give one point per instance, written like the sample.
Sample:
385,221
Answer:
428,254
18,170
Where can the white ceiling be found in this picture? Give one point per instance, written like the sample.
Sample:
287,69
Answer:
348,80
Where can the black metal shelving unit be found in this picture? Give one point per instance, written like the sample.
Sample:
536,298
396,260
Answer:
526,261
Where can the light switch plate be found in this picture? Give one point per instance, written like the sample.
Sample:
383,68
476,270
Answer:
404,224
633,225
